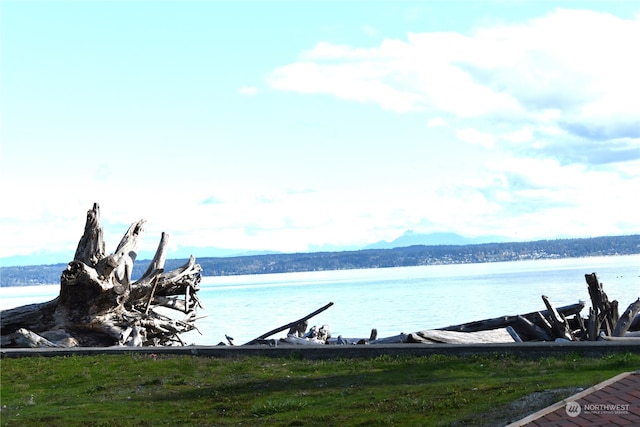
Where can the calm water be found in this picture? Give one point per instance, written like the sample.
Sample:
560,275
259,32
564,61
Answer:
393,300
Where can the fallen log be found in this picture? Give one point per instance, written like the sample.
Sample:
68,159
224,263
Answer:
504,321
626,319
513,334
100,305
296,340
289,325
635,323
529,331
539,320
558,322
26,338
402,338
452,337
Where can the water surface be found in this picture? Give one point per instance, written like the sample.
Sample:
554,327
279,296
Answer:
392,300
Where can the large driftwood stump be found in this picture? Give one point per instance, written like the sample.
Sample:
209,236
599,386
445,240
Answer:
100,305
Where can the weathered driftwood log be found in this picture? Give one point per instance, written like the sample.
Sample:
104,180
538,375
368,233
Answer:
299,329
25,338
315,336
451,337
635,324
578,327
100,305
529,331
373,335
402,338
513,334
593,325
558,322
294,324
539,320
504,321
605,315
625,320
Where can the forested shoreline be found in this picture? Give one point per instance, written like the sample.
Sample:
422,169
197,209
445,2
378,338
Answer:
366,258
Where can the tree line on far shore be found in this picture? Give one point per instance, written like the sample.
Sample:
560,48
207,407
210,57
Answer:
366,258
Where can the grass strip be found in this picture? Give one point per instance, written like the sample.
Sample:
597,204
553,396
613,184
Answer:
153,390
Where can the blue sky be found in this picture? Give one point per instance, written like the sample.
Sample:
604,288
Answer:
292,126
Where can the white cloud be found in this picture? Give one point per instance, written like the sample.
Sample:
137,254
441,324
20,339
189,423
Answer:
573,63
545,198
248,90
436,122
473,136
554,99
361,82
520,135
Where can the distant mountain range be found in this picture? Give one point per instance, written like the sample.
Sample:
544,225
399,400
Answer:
409,238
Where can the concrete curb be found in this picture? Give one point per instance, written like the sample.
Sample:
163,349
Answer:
532,350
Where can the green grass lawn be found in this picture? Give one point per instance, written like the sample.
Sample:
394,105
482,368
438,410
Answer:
150,390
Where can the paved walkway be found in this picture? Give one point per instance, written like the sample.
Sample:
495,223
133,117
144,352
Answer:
615,402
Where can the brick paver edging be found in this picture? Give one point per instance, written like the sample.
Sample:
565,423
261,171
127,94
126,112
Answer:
538,418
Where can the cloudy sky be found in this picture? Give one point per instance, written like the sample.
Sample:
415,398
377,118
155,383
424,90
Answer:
292,126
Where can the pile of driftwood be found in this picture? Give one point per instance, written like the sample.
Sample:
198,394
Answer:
99,304
552,324
566,323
